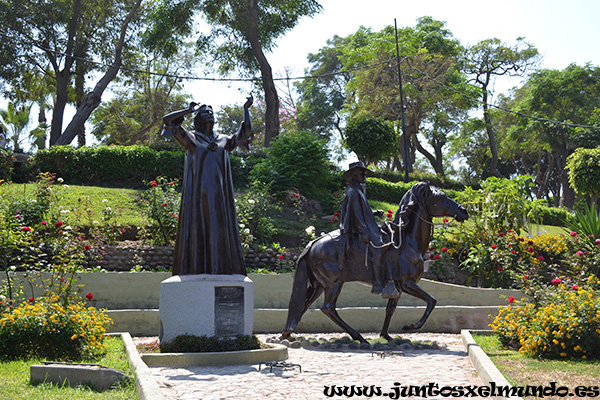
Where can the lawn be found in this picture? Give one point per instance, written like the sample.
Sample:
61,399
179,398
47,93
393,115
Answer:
522,371
14,376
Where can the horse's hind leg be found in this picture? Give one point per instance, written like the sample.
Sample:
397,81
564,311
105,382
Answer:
312,295
389,312
331,295
413,289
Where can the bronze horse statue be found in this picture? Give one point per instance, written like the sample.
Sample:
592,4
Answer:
318,270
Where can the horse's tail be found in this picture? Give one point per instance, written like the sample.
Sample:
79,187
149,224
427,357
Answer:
298,297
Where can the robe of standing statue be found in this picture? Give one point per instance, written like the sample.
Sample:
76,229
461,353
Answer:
208,239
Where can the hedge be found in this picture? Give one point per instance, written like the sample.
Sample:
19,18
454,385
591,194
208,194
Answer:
438,181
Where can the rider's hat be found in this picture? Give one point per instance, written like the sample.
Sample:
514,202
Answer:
352,167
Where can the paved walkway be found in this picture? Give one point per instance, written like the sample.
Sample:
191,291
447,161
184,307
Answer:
448,366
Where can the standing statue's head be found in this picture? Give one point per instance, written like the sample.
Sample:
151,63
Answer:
356,171
204,119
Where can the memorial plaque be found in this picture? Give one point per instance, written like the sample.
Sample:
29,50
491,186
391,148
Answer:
229,310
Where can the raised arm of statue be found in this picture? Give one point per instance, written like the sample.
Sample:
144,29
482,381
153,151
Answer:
172,121
245,133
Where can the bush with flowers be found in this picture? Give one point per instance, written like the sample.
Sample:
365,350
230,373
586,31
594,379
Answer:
160,205
562,322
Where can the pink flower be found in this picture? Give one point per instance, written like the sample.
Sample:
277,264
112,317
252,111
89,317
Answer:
511,299
541,258
58,224
26,229
573,233
597,241
89,296
493,247
153,184
556,281
579,253
574,287
525,276
44,223
501,234
280,257
444,249
530,249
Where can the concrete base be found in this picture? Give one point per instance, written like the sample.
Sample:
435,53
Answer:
96,376
206,305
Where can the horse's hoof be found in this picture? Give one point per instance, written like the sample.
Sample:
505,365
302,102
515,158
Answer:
410,327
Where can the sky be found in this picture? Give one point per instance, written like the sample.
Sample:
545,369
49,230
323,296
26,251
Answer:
563,32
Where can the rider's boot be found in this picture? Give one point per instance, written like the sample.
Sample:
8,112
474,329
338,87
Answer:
390,291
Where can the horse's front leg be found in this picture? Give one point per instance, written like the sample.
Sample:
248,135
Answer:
331,295
413,289
389,312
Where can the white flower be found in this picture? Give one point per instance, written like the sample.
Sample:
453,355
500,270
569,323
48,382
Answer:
108,209
60,180
66,186
105,201
65,211
242,226
13,268
251,201
247,231
310,230
96,222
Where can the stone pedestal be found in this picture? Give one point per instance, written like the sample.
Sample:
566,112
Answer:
206,305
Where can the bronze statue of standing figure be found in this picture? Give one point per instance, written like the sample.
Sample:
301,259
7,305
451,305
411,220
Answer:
208,239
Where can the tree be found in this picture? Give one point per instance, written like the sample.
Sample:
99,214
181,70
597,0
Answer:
15,122
583,167
242,32
571,98
370,138
487,60
53,37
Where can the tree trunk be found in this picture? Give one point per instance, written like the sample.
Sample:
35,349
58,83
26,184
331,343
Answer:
58,111
93,99
491,137
271,97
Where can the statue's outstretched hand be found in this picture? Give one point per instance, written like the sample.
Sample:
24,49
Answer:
378,213
249,101
193,105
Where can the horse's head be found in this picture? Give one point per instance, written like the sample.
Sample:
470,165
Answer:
435,202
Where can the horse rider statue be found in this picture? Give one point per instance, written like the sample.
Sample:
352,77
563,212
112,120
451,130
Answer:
358,224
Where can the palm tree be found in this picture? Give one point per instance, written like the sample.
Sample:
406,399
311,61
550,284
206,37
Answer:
15,122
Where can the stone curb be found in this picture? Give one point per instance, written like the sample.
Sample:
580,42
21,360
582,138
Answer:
147,386
484,366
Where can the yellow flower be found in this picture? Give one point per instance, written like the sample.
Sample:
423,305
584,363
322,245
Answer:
74,337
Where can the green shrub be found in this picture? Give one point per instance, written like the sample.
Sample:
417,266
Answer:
557,216
110,165
379,189
295,160
6,165
254,214
438,181
371,138
160,207
564,324
202,344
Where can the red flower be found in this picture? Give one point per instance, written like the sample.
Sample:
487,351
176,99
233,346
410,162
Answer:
390,215
493,247
171,183
336,195
525,276
513,252
280,257
89,296
297,195
58,224
574,287
165,204
541,258
573,233
44,223
336,214
437,256
445,220
31,299
521,240
511,299
153,184
26,229
389,211
86,247
444,249
347,183
530,249
530,242
500,269
556,281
